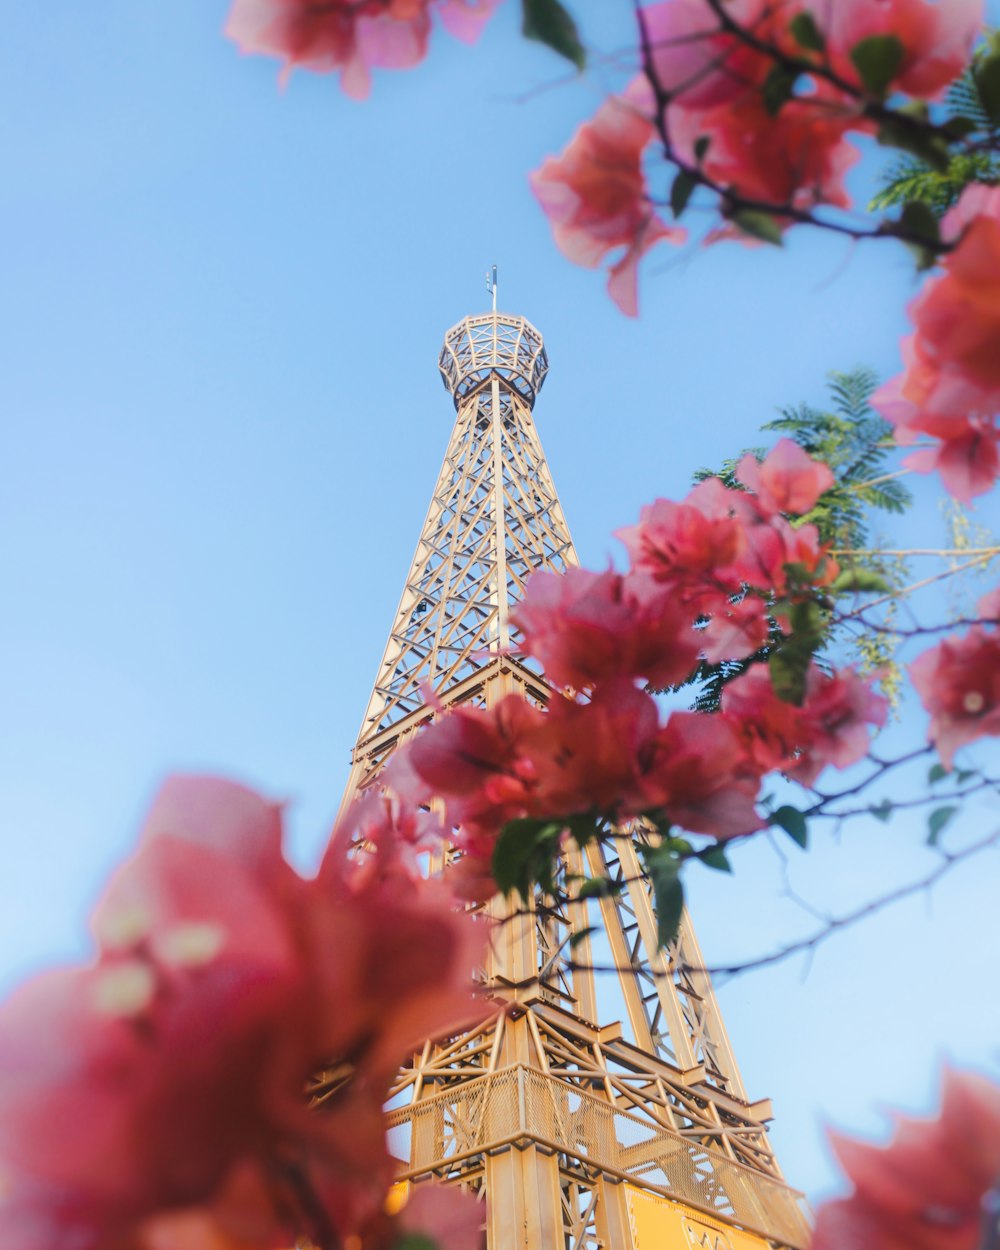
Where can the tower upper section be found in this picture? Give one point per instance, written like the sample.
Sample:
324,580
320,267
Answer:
497,343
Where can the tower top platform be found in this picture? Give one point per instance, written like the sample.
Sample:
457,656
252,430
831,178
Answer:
478,347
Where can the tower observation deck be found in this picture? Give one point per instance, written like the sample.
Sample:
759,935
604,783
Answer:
588,1117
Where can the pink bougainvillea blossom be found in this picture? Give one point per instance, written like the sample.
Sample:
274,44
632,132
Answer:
832,726
788,479
352,36
936,37
155,1099
707,784
690,544
695,61
925,1189
950,387
959,684
596,198
586,627
798,157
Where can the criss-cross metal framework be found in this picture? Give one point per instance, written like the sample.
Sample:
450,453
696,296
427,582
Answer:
583,1136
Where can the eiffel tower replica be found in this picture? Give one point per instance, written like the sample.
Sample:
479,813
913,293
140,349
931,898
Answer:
580,1132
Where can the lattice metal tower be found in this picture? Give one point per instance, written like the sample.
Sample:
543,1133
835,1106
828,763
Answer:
582,1135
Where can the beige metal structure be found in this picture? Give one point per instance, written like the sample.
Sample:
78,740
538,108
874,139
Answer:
631,1136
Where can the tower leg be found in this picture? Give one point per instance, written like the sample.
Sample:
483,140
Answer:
524,1210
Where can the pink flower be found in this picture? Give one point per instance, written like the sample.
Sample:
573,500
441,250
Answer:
153,1100
798,157
830,728
950,388
587,627
597,756
690,544
695,61
595,196
352,36
925,1189
787,480
735,630
937,37
705,781
479,761
959,684
836,717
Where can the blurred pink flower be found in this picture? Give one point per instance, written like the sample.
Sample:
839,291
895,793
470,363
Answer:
595,195
352,36
587,627
959,684
925,1189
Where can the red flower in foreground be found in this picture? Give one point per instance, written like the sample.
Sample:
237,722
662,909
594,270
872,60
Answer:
696,61
936,38
352,36
155,1098
595,196
925,1189
959,684
950,388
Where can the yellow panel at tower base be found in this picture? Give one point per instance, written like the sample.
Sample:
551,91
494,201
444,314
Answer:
658,1224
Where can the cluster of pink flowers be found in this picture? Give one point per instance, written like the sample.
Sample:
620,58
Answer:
707,575
959,683
709,91
155,1099
950,388
351,36
934,1187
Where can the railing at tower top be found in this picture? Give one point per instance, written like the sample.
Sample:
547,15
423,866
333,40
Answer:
497,343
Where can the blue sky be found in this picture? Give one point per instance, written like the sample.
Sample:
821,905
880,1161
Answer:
221,308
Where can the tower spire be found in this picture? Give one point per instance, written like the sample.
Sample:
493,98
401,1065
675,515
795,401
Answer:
582,1136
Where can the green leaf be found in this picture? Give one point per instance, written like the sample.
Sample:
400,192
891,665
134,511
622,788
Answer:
878,59
881,811
788,666
758,225
986,73
806,33
937,773
701,145
918,218
668,893
927,146
936,822
584,828
523,855
963,774
959,127
581,935
681,190
794,824
715,857
546,21
415,1241
598,887
858,581
778,88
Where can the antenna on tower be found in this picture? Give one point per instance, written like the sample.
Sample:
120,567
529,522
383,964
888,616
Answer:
491,284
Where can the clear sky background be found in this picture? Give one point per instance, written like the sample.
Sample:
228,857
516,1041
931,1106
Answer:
220,310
